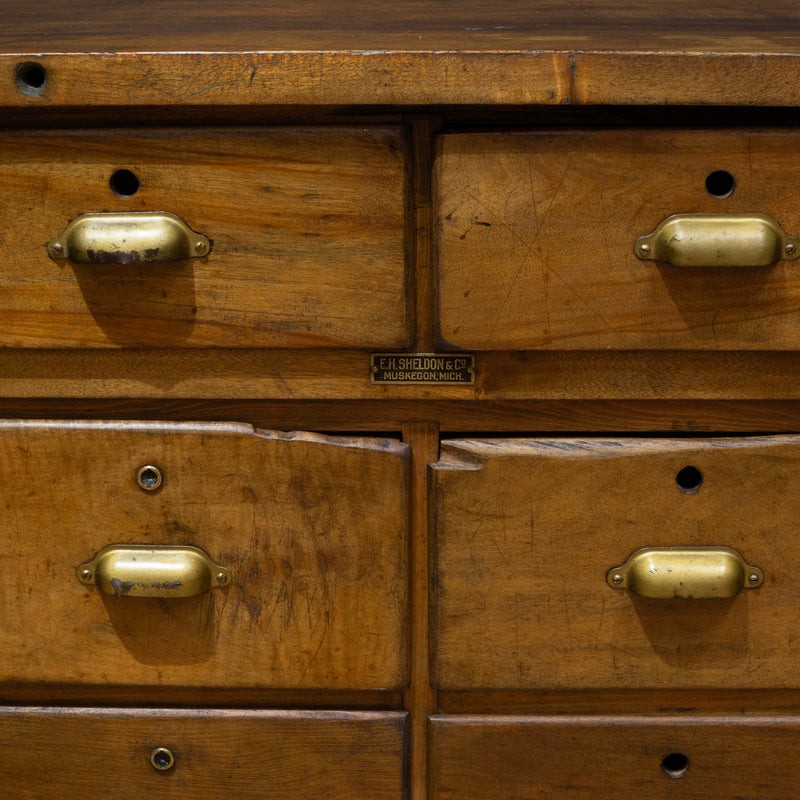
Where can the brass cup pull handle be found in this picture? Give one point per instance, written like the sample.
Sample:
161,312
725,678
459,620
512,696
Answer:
685,573
138,237
718,240
152,571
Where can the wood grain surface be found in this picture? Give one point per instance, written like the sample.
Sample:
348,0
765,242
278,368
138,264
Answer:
245,374
677,416
605,758
536,240
525,531
304,52
307,227
313,529
286,755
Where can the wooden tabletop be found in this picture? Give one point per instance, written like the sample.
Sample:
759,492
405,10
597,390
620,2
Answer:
406,51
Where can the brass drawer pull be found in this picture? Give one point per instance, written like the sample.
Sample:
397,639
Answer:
152,571
138,237
685,573
718,240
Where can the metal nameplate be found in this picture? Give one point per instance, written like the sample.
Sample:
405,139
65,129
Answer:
425,368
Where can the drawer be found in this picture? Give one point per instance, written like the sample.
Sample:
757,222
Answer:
306,229
308,533
239,755
611,757
530,534
536,235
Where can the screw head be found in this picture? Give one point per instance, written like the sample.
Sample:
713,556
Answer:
57,247
616,578
222,577
790,249
86,575
753,578
200,248
644,249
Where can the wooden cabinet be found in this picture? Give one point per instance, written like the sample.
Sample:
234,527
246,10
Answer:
170,753
305,230
560,216
528,536
241,560
312,533
609,757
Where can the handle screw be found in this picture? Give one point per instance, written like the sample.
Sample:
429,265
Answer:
644,249
790,249
86,575
222,577
753,578
616,578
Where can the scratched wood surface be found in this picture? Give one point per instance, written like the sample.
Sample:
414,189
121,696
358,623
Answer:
240,755
524,532
685,416
604,758
537,231
314,530
306,52
308,233
244,374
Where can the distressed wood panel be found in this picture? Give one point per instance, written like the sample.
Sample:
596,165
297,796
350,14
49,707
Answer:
298,375
604,758
313,529
176,52
308,232
536,237
286,755
526,530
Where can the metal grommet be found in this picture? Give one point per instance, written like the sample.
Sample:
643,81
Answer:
149,477
162,759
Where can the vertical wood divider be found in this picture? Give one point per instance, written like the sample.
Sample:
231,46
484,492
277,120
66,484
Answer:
423,143
423,438
420,699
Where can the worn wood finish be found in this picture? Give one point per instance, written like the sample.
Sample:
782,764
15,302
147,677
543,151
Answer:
308,232
526,530
179,52
537,231
453,416
611,757
303,375
314,530
420,699
61,694
286,755
638,702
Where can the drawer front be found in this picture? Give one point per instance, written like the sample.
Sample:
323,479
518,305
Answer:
536,238
530,533
306,229
312,530
607,758
238,755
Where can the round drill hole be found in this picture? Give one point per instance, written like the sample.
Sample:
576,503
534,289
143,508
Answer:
162,758
149,477
124,183
689,480
720,184
675,765
31,78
